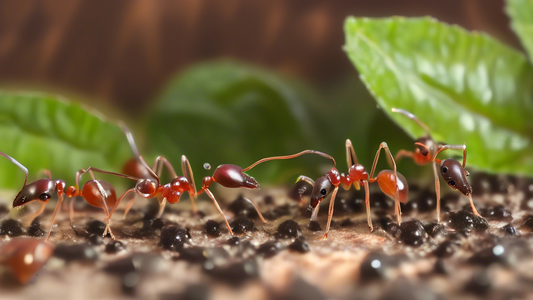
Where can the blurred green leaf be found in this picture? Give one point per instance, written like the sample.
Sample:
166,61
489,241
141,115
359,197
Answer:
44,131
521,13
467,87
231,113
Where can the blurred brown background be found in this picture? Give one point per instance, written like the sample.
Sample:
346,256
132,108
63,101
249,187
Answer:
123,52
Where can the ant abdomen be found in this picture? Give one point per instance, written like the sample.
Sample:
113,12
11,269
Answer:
386,183
232,176
455,176
96,192
24,257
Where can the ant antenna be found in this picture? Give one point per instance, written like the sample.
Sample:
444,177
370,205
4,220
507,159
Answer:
23,168
412,117
289,157
135,150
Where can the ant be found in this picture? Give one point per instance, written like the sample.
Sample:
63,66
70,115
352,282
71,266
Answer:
227,175
97,193
390,182
24,257
451,170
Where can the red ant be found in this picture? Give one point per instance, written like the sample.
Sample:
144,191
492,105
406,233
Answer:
24,257
98,193
451,170
390,182
230,176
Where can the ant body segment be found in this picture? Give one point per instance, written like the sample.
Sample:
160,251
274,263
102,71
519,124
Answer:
452,171
24,257
390,182
227,175
98,193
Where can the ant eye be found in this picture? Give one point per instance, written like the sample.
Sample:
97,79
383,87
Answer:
451,182
323,192
44,197
444,169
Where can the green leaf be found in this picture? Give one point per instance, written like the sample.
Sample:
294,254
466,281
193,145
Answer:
44,131
230,113
521,13
467,87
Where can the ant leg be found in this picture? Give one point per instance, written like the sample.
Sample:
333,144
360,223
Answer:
351,159
330,212
31,216
187,172
367,203
108,228
474,210
437,189
119,200
46,173
208,192
452,147
256,209
384,145
161,207
135,150
56,210
130,204
404,153
71,210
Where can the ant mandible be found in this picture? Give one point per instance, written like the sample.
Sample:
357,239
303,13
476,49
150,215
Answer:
390,182
451,170
97,193
227,175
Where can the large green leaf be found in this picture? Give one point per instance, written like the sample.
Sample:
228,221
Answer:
521,13
467,87
44,131
230,113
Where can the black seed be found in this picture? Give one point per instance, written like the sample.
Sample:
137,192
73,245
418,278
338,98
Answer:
445,249
140,263
314,226
465,221
299,245
12,228
174,237
427,201
242,225
479,284
129,283
343,206
96,227
95,239
192,292
234,241
35,229
490,255
346,222
413,233
409,207
380,201
75,252
289,229
212,228
434,229
235,274
241,207
510,230
152,224
269,249
496,213
193,255
278,212
440,267
393,229
114,247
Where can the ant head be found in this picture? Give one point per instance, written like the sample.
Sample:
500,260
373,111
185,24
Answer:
232,176
321,189
41,190
455,176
